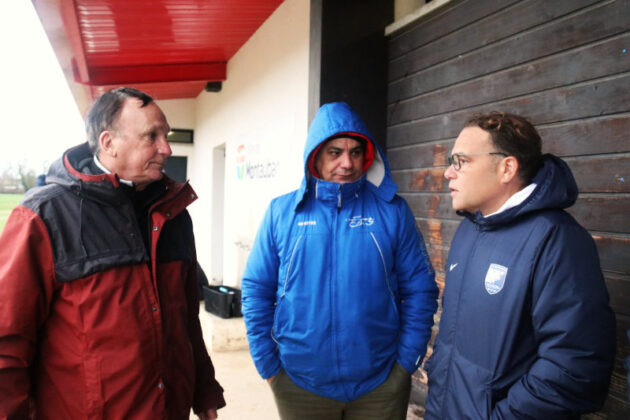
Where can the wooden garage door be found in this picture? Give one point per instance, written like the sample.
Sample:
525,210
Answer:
565,64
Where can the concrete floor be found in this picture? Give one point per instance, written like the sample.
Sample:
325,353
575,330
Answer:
246,394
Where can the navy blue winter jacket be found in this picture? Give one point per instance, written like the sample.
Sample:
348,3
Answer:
526,331
338,285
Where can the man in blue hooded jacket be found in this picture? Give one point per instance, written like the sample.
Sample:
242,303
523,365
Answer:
338,292
526,331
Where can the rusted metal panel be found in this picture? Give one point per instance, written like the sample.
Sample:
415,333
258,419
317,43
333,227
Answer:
419,156
159,45
427,180
149,32
432,206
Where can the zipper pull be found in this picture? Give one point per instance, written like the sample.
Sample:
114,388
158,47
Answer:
339,200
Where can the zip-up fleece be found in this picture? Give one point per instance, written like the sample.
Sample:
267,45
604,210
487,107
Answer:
338,285
92,326
526,331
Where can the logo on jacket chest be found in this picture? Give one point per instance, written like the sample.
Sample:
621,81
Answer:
357,221
495,278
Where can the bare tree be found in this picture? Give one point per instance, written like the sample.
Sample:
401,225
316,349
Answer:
27,177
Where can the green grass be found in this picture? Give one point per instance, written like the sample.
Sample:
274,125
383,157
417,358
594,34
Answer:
7,202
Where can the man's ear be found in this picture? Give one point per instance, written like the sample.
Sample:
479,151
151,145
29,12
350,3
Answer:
106,143
509,169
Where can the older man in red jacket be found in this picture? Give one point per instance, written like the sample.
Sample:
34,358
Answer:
98,288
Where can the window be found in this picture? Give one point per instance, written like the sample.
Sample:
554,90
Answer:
178,135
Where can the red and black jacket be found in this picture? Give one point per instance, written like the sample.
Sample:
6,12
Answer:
96,322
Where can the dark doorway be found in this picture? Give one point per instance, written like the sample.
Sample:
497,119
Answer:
175,168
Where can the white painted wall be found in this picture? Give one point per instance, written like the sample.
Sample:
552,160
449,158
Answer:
260,117
180,113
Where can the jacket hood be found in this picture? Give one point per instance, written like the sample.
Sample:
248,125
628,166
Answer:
75,171
337,118
555,189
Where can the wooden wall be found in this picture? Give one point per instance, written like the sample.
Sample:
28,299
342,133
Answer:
565,64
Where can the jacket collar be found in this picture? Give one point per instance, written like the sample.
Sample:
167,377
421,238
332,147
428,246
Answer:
555,189
77,172
335,194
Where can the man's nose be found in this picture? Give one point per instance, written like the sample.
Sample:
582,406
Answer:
346,161
164,148
450,172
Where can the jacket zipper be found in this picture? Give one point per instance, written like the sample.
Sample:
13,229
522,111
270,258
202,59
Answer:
333,313
339,199
384,266
284,287
286,278
454,321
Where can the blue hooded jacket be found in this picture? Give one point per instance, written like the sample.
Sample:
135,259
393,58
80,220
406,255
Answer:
526,330
338,285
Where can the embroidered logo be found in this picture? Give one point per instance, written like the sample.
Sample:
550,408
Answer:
308,223
357,221
495,278
452,267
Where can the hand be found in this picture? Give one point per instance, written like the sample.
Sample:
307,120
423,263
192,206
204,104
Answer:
270,380
209,414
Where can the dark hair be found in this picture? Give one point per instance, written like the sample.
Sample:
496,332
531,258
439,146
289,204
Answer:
105,110
361,140
515,136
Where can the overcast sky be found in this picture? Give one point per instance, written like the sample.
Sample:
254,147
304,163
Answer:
38,116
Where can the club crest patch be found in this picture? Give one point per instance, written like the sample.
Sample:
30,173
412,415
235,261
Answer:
495,278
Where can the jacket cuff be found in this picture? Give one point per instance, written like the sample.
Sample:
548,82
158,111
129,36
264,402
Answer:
409,366
212,398
270,367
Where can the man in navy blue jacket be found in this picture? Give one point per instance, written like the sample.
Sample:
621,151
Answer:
526,330
338,292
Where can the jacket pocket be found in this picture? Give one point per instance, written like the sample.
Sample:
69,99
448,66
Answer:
471,384
282,289
290,266
386,277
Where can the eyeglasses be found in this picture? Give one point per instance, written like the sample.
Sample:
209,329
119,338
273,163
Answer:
455,160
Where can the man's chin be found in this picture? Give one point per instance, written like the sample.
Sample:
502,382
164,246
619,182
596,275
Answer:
345,179
157,172
156,176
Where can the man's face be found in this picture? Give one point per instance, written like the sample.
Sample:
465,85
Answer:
476,185
139,141
340,160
